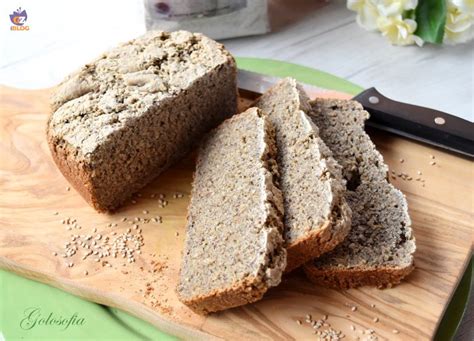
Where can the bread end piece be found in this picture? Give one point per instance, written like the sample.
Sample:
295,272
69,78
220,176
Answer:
383,277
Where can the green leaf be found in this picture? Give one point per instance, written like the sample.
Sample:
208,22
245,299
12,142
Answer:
430,19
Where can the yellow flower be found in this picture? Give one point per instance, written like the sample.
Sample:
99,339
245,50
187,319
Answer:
459,21
398,30
367,13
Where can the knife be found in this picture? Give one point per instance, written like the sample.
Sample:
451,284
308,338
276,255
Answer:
421,124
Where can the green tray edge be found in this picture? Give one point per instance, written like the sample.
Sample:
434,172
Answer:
301,73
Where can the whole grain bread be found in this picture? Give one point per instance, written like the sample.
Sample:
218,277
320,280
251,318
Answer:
317,217
379,248
122,119
234,249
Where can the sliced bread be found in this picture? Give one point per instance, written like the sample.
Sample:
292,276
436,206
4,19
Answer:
125,117
234,249
317,217
379,248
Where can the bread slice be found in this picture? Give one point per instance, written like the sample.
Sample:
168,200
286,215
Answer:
317,217
234,249
127,116
379,248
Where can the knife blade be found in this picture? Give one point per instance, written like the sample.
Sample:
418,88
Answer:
421,124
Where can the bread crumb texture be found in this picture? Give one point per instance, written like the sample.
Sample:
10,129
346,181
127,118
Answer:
317,217
234,248
379,248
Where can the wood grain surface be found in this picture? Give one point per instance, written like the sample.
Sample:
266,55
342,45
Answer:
33,190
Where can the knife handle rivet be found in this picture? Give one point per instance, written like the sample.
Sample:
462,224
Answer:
439,120
374,100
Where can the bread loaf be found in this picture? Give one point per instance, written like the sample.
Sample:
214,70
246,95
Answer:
125,117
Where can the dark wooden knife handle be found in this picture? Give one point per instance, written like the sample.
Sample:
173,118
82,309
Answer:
426,124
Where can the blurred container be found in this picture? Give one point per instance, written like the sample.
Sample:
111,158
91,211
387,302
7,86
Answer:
217,19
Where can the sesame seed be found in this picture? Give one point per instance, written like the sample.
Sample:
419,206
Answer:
372,305
145,212
177,234
395,331
298,322
325,317
352,327
432,163
432,156
134,201
376,319
419,172
55,253
55,213
86,272
354,308
94,230
68,189
402,160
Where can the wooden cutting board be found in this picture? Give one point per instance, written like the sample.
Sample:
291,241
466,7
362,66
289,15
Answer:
35,200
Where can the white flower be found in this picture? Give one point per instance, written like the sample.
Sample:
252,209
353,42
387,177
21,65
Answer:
398,30
459,21
367,13
394,7
466,6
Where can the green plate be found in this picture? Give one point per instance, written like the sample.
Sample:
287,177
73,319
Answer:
30,310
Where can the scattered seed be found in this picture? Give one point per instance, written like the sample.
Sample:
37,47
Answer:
395,331
432,163
68,189
177,234
372,305
376,319
402,160
55,253
419,173
298,322
432,156
352,327
325,317
86,273
354,308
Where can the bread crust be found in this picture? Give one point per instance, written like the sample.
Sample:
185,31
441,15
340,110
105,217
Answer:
76,173
246,291
321,240
85,170
340,278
